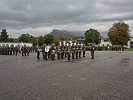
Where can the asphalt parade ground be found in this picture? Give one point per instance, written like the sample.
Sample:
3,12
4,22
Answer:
107,77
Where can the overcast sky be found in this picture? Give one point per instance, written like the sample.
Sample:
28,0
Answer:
41,16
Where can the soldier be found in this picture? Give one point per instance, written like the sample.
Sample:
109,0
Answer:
8,49
46,51
22,49
73,51
65,50
25,50
0,49
76,50
43,51
84,49
38,52
80,50
62,50
92,49
69,51
11,49
53,51
28,50
58,49
16,50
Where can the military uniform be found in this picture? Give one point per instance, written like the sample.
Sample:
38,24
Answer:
58,49
38,52
92,49
84,49
53,51
73,51
76,50
69,51
62,51
80,50
43,51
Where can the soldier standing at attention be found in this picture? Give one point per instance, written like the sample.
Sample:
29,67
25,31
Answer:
92,49
73,51
76,50
65,50
80,50
58,49
69,51
84,49
53,50
38,52
62,50
43,51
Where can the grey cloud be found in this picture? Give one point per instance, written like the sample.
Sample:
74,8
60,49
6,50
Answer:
24,14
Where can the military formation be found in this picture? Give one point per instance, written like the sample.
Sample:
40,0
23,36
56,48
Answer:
15,50
70,51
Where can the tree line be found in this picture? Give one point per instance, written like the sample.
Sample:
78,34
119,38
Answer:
118,35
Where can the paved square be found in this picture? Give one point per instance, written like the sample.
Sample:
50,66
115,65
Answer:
107,77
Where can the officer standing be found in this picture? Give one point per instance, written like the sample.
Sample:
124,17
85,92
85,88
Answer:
80,50
69,51
38,52
58,49
73,51
62,50
84,49
43,51
76,50
92,49
53,50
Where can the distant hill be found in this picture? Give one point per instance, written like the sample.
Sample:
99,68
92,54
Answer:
55,32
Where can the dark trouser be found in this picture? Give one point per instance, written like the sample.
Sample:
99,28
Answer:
58,55
83,53
79,54
73,55
13,52
10,52
46,55
38,55
16,53
68,54
24,53
92,54
53,56
43,55
76,55
62,55
65,54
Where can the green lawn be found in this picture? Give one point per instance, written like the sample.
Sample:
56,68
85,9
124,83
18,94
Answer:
129,49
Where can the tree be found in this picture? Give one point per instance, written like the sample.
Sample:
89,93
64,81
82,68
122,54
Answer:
40,40
24,38
77,37
92,36
56,42
48,38
119,33
4,36
33,40
63,37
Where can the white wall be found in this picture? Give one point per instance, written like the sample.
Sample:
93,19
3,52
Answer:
16,44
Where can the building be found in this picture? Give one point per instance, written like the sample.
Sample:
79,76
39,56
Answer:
16,44
105,42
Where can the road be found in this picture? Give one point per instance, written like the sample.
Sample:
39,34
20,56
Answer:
107,77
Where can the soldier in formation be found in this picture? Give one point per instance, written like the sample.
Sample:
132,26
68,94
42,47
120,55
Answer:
14,50
69,51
